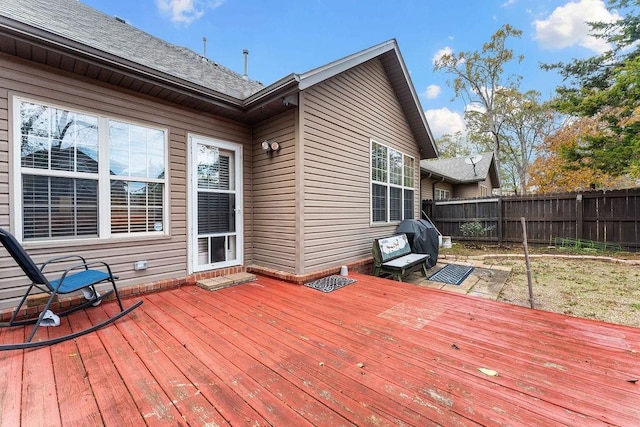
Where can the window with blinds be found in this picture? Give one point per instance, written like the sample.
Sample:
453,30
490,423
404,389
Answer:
392,184
67,164
136,167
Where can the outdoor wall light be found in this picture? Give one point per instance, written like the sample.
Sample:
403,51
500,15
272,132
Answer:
270,146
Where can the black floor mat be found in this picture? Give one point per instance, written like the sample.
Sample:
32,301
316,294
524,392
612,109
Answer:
330,283
452,274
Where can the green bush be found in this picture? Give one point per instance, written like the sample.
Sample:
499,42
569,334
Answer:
475,229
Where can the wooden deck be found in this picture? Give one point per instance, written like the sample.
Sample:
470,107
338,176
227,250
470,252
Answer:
376,352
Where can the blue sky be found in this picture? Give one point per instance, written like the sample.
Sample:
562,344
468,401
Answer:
284,37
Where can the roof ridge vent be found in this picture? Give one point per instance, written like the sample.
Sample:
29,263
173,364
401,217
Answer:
124,21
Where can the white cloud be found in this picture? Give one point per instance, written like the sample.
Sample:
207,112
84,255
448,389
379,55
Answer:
432,91
567,26
444,121
439,54
475,106
186,11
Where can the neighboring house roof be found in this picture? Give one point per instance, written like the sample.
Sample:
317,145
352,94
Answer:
459,170
74,37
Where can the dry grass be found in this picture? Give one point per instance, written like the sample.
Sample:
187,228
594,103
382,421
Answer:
598,290
594,289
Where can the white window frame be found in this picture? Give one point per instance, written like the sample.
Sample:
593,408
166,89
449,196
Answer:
104,177
441,194
388,184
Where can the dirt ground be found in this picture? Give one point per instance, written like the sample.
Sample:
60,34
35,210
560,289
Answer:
602,289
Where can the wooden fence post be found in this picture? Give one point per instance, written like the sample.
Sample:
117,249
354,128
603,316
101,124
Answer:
579,216
500,217
526,258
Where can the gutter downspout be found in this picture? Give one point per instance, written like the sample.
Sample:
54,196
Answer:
433,188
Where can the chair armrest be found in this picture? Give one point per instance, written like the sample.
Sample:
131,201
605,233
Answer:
64,258
98,263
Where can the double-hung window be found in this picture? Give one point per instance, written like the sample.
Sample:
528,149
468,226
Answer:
392,184
80,175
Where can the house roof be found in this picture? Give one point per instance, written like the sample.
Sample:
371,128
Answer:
459,170
74,37
75,24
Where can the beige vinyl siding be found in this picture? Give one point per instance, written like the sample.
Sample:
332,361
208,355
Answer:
167,256
467,191
426,188
274,199
339,117
487,183
448,187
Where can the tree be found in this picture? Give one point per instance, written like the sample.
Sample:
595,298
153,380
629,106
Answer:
453,145
553,171
606,87
526,123
477,79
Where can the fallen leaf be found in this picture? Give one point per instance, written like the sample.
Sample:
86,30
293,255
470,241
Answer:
635,380
455,347
489,372
321,363
360,365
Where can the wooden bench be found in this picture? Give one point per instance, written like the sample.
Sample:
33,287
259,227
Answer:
393,256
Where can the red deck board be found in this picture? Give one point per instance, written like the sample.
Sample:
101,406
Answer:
376,352
449,320
337,365
78,406
152,402
421,366
193,407
532,371
256,361
220,395
282,403
291,360
451,316
222,365
518,371
114,400
11,365
40,395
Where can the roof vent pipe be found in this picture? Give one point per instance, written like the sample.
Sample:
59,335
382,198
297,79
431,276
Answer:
204,47
245,52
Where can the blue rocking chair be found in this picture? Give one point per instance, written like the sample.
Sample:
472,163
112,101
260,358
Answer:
83,275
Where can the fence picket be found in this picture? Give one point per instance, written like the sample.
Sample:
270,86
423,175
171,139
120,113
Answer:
611,217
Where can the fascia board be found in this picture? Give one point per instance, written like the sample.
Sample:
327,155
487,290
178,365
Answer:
327,71
285,84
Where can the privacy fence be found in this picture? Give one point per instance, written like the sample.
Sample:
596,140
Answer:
611,217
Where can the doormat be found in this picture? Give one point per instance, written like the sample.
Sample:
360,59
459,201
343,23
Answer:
452,274
330,283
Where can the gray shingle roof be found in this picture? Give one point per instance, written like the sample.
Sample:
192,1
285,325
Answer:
458,170
82,24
